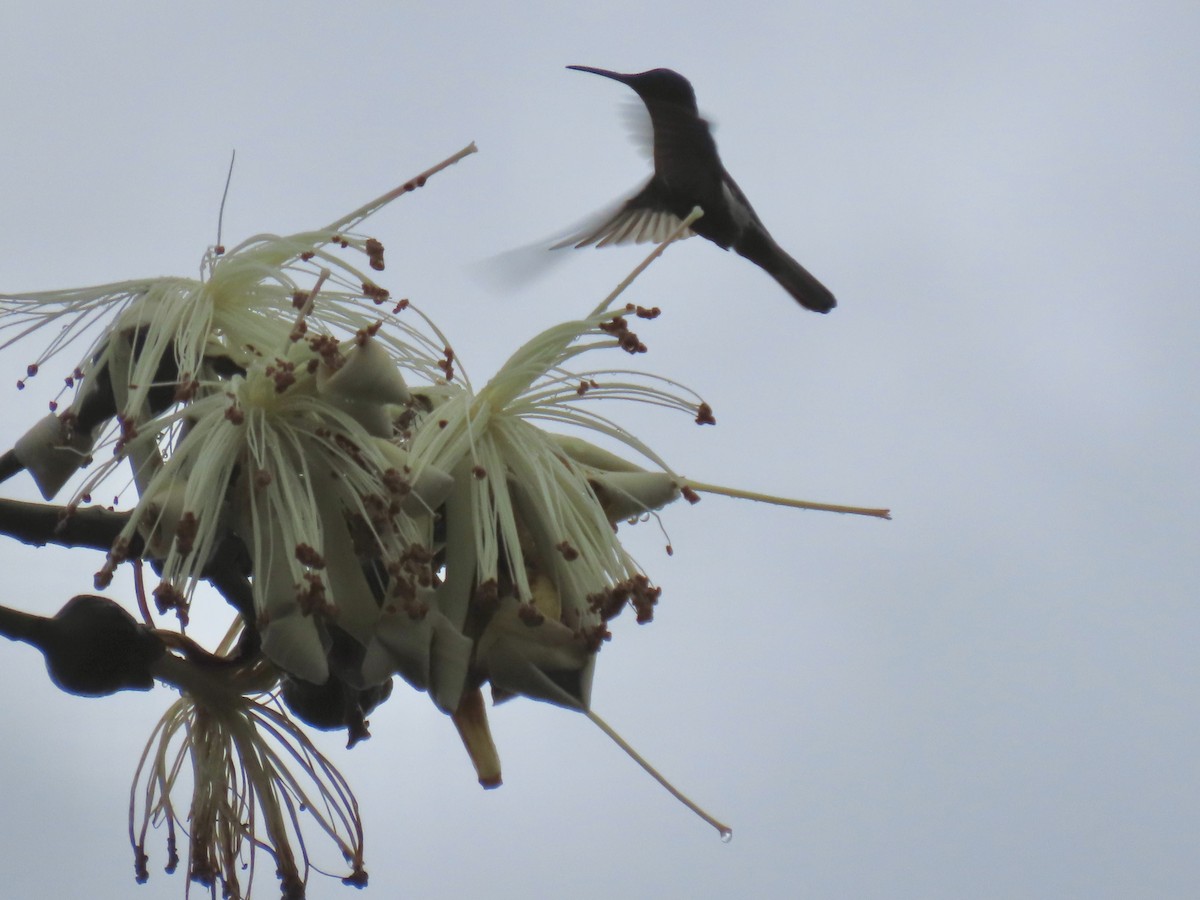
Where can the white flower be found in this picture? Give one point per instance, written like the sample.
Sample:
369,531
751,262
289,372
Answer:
284,461
530,549
170,334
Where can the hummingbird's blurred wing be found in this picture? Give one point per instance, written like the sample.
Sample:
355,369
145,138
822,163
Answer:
638,220
636,119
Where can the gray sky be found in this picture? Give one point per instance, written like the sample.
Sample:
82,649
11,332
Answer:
994,695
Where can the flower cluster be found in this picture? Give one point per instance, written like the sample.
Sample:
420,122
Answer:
388,519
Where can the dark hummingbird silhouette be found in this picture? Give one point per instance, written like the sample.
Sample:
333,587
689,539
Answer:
688,173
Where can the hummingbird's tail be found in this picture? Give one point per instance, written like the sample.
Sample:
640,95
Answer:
760,248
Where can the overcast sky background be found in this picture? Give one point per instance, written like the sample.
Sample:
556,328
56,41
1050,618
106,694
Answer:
993,695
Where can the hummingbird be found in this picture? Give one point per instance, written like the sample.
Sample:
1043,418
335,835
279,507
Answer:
688,173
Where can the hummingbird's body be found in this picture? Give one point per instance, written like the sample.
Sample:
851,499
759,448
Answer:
688,173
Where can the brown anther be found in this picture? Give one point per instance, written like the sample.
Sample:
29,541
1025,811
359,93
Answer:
644,596
283,373
479,472
185,390
704,415
350,448
185,533
310,596
128,430
119,551
104,577
487,596
375,254
568,552
446,364
375,293
326,346
652,313
617,326
376,509
396,483
365,334
608,603
167,597
307,555
416,555
594,636
356,879
689,495
530,614
626,339
300,298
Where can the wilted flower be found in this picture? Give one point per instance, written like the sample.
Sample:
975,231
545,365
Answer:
255,781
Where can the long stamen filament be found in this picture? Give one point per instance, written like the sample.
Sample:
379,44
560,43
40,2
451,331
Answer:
675,235
785,501
724,830
347,222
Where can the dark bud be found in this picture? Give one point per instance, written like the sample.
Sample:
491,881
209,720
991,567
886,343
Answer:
334,705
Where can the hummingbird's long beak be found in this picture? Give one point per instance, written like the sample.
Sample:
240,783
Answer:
616,76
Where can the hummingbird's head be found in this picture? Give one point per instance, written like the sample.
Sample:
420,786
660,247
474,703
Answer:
657,86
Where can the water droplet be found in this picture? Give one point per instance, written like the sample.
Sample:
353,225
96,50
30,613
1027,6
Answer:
726,835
